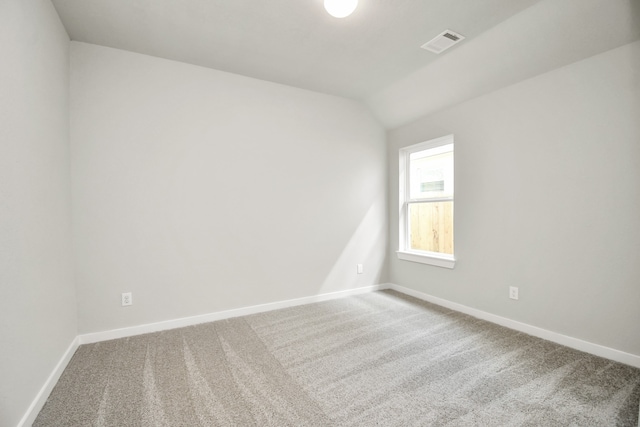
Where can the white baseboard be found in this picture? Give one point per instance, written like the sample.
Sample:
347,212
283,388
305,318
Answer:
42,396
578,344
227,314
40,399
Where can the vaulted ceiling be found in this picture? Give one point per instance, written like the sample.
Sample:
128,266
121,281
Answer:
294,42
373,55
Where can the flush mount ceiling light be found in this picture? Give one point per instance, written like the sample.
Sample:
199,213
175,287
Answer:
340,8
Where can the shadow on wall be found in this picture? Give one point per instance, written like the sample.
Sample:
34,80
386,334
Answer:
366,246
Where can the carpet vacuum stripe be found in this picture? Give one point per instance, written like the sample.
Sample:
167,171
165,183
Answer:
377,359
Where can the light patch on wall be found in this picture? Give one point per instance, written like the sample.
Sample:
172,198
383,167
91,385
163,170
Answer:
362,248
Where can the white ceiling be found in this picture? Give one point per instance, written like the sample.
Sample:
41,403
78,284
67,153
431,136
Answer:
294,42
544,37
374,55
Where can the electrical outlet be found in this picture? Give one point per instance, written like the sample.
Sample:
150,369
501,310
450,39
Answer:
513,292
127,298
359,268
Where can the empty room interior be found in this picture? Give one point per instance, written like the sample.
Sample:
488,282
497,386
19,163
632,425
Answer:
242,213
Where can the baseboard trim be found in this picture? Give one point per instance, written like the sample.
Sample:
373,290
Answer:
42,396
221,315
575,343
588,347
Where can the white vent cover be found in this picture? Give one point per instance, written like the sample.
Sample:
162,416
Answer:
443,41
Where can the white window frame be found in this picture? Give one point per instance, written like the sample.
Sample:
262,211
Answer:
404,252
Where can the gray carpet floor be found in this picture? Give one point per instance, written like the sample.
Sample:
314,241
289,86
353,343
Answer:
378,359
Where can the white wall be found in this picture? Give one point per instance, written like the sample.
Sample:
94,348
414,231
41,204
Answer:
202,191
547,175
37,307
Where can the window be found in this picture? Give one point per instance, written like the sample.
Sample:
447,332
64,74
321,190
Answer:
426,203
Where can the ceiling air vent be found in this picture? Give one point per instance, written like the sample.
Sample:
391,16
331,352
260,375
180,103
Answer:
443,41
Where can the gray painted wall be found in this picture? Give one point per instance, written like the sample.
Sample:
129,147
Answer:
38,306
547,200
202,191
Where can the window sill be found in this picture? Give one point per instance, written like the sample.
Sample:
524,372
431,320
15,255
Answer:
439,260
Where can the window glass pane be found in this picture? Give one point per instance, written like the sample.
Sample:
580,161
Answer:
431,227
431,173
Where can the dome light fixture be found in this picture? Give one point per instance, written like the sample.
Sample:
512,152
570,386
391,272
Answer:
340,8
